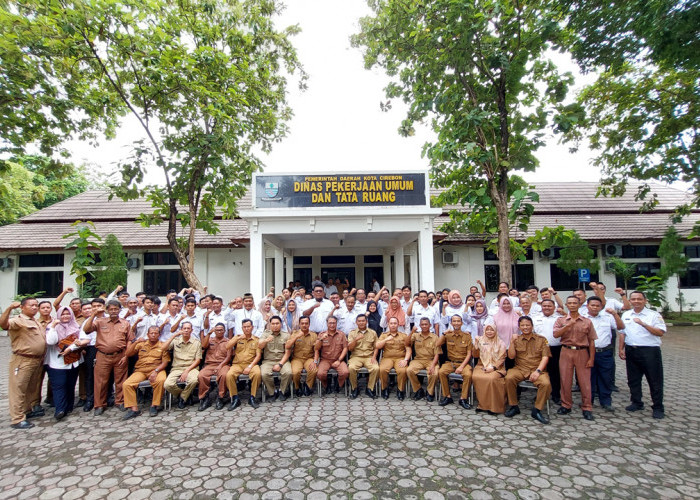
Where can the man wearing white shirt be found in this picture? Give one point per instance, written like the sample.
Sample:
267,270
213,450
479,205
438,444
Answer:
419,309
346,315
405,297
168,319
330,288
215,316
361,300
503,288
544,325
144,320
640,347
383,300
190,315
605,323
249,312
317,309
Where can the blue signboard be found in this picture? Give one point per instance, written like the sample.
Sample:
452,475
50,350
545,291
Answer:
584,275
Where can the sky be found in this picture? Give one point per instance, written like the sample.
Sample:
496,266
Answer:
337,124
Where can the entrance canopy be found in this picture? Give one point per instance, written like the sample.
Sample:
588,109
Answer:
345,214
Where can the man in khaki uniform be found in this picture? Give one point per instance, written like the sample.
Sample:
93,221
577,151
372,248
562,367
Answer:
245,362
361,342
302,342
275,359
459,353
187,354
427,352
531,354
395,355
153,358
216,363
26,362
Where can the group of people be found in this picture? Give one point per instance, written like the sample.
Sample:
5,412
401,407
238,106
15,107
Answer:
112,345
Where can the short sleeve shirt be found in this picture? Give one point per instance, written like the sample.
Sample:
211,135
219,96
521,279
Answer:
216,351
111,335
274,350
332,346
637,335
530,350
578,335
395,346
184,353
459,345
604,324
364,348
246,350
304,346
27,336
425,347
150,356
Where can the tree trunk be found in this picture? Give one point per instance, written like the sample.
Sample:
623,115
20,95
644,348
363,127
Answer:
504,258
186,266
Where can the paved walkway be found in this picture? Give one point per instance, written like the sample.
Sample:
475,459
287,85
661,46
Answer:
339,448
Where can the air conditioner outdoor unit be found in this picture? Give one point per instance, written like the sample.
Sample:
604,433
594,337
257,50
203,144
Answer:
609,267
450,258
5,263
547,253
133,263
613,250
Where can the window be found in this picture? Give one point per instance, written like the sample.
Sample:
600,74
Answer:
565,281
159,259
159,281
640,251
337,259
642,268
300,261
373,259
49,283
692,277
373,272
523,276
489,255
41,260
693,251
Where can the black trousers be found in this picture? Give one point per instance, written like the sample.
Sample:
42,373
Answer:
645,361
553,370
89,363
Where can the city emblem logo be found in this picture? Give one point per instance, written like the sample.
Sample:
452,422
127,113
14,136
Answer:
271,189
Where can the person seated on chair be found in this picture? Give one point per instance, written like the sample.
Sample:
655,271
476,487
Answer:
215,363
395,355
187,354
275,359
302,342
330,351
153,358
361,343
459,353
246,356
427,352
531,354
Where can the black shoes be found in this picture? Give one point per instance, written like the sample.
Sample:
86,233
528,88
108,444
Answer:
219,404
99,411
24,424
537,415
429,398
608,408
512,411
370,393
445,401
35,412
299,392
252,402
131,414
556,401
308,391
418,395
588,415
88,406
385,393
563,411
354,393
81,402
658,414
284,396
181,404
121,407
634,407
465,404
204,404
235,403
59,416
153,411
401,395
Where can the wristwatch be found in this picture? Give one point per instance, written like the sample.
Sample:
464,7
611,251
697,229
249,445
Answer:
538,370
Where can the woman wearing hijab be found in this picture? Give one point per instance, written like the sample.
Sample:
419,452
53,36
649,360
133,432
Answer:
62,360
454,306
290,317
479,316
489,374
506,320
374,317
265,309
394,310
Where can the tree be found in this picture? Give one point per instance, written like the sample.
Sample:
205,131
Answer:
577,255
204,80
111,266
85,241
674,261
644,108
480,72
620,268
18,192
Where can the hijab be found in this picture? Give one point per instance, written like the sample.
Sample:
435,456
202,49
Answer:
395,311
292,317
67,328
374,318
491,350
506,322
480,318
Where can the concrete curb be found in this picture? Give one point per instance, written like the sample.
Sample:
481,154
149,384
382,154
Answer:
684,323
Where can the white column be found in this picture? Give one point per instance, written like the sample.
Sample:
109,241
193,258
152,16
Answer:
413,264
399,274
257,262
425,256
387,270
290,270
279,271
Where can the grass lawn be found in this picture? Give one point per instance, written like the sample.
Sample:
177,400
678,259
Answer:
693,316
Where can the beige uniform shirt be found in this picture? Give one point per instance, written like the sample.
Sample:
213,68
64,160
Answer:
395,347
274,350
365,345
184,353
304,346
27,336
